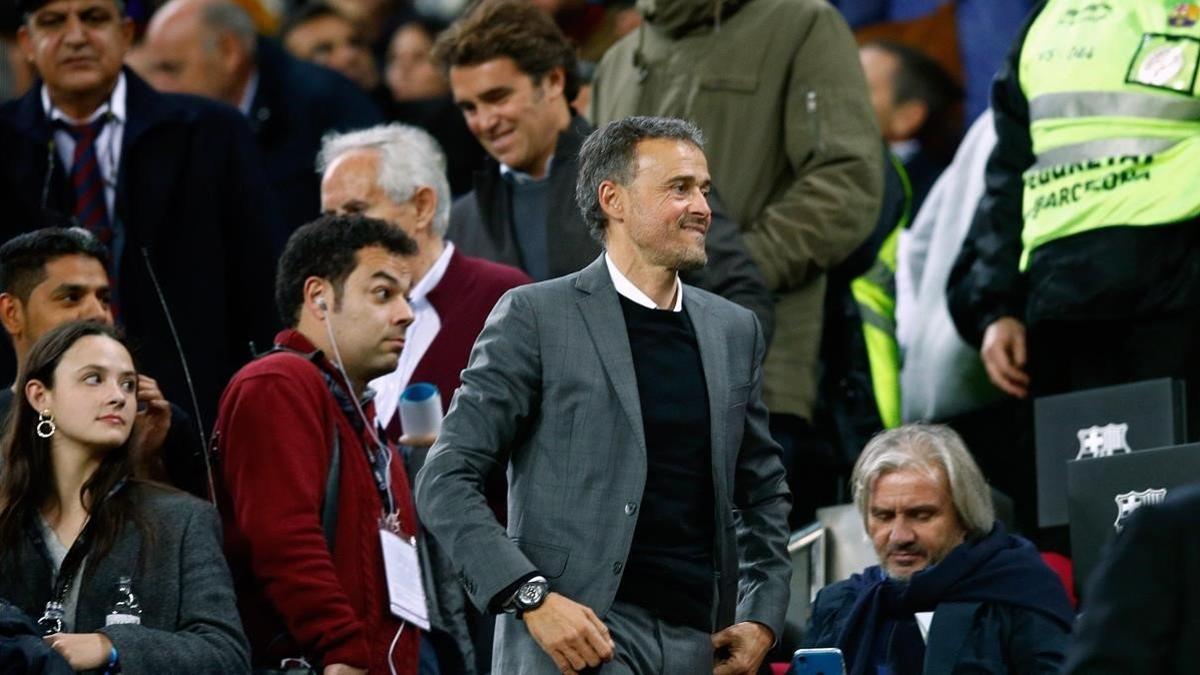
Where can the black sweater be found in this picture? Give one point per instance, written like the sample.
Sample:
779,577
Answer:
670,566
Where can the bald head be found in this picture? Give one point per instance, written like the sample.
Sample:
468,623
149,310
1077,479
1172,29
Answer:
202,47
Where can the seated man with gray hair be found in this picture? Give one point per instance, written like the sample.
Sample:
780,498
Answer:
953,592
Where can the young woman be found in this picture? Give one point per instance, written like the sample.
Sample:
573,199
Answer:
126,575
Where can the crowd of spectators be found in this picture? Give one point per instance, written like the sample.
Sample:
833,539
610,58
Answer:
236,231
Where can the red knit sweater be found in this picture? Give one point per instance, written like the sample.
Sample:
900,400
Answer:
273,435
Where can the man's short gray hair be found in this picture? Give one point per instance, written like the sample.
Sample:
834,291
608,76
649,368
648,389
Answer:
222,17
610,153
409,159
927,448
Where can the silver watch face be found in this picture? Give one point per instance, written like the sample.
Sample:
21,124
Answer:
531,594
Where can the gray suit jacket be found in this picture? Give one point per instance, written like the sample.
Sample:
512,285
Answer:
550,390
189,614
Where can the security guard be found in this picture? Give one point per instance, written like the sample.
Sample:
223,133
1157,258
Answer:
1081,268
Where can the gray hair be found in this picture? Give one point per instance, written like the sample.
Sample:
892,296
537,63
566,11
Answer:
610,153
927,448
409,160
222,17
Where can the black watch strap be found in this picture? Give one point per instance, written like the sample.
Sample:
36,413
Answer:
529,596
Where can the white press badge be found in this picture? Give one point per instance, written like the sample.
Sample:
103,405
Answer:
406,593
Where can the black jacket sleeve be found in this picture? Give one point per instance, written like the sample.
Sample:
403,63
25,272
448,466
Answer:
986,283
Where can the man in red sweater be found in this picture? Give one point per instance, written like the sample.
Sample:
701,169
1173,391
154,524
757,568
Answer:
397,173
310,576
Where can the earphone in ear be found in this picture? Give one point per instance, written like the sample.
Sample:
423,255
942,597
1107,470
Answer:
321,304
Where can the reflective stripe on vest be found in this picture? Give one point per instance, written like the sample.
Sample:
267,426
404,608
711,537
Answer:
1114,117
875,294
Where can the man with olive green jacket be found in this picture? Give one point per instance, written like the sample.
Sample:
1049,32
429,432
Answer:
777,88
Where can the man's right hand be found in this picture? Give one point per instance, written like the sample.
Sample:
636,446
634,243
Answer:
342,669
1003,355
570,633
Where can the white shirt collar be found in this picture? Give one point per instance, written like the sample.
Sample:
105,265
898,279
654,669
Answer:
432,277
521,176
248,94
627,290
114,104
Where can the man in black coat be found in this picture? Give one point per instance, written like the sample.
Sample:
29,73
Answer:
209,48
1139,614
176,180
514,77
953,592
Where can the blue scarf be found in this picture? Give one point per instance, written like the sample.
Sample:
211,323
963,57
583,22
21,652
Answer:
996,568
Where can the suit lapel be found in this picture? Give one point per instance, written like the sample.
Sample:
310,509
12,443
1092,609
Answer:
714,357
602,314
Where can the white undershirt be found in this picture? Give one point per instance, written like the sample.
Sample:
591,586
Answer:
417,339
107,144
626,288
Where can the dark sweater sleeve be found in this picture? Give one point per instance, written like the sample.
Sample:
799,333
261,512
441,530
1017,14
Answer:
985,283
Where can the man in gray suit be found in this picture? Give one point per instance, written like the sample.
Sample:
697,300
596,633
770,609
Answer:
628,407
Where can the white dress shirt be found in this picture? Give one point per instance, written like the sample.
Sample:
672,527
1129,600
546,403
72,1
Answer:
626,288
417,339
107,144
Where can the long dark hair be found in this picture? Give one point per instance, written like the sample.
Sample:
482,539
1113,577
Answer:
26,474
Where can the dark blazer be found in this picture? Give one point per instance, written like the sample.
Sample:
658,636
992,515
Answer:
550,391
965,637
190,195
189,614
481,225
1141,613
297,103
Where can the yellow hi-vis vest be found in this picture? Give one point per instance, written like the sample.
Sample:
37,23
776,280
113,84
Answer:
1115,120
875,294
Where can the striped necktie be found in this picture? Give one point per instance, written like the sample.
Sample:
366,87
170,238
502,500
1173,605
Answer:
91,203
91,206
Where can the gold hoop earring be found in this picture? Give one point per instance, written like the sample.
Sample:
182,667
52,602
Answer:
45,425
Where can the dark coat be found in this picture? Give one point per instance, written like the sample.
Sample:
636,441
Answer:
189,614
1140,613
965,637
190,197
481,225
295,105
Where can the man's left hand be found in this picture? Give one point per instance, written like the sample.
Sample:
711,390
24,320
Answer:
741,648
153,423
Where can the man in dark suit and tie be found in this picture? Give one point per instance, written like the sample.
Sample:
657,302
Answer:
209,48
171,184
628,407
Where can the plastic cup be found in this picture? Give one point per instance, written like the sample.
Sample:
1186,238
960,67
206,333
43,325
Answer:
420,410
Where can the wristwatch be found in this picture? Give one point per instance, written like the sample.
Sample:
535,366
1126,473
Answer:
530,595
